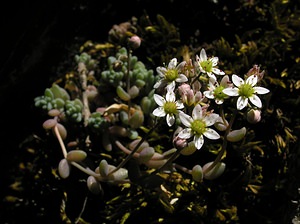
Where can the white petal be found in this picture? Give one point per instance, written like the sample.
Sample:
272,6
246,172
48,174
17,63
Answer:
161,71
241,103
260,90
159,112
181,78
210,75
203,56
172,63
209,94
159,100
225,81
197,112
170,96
211,134
252,80
231,91
218,71
181,65
237,80
214,60
256,101
210,119
170,118
185,119
219,101
185,133
199,140
179,105
159,83
170,87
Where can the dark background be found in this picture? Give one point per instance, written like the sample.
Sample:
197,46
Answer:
36,36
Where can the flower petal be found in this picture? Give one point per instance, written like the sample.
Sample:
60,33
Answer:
185,119
211,134
185,133
181,78
237,80
225,81
218,71
252,80
197,112
256,101
170,87
231,91
161,71
260,90
241,103
159,112
170,118
199,141
172,63
209,94
170,96
210,119
214,60
203,56
219,101
179,105
159,100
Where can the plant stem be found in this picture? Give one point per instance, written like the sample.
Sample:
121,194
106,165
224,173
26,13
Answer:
224,145
135,149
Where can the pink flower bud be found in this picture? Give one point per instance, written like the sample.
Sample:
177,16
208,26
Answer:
253,116
135,42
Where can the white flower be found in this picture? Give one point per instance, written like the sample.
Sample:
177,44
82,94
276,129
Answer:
171,74
208,65
167,106
197,126
215,90
246,90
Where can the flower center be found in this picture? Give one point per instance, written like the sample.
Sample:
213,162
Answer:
198,127
171,75
170,108
218,93
246,90
207,65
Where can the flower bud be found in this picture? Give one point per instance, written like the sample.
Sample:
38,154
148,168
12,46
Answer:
183,89
190,98
180,143
253,116
135,42
236,135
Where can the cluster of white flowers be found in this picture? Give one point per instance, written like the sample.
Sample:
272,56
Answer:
191,101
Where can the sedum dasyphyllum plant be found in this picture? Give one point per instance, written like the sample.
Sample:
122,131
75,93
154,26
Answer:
144,125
